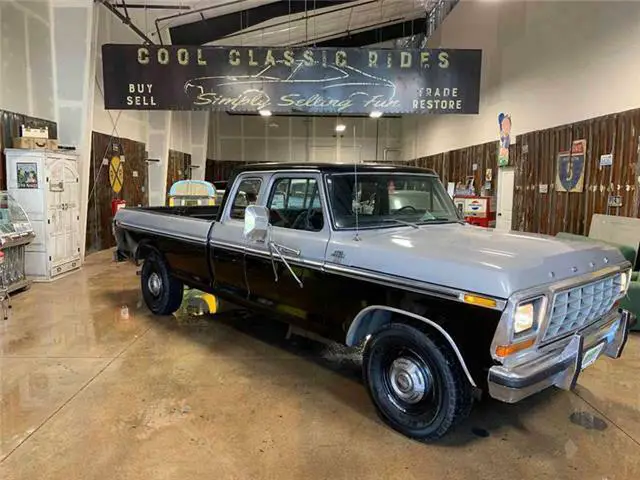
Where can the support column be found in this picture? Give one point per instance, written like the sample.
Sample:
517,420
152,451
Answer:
199,143
73,53
158,135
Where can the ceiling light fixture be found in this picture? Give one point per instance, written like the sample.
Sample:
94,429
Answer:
375,114
341,127
265,113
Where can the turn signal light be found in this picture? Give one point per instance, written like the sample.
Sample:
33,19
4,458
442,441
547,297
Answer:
506,350
478,300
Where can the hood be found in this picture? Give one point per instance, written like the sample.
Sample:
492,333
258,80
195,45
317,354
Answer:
487,261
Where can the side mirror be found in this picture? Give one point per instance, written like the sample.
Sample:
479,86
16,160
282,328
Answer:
256,223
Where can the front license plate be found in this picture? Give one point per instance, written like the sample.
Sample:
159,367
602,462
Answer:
591,355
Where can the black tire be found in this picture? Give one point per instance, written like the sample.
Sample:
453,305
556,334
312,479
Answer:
399,356
162,298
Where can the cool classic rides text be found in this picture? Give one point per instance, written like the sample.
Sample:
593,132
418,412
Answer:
270,57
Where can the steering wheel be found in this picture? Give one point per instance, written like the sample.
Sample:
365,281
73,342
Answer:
406,207
303,216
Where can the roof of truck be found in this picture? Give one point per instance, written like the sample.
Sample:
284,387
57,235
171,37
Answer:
332,167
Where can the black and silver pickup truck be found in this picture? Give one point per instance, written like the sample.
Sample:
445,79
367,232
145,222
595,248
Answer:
377,257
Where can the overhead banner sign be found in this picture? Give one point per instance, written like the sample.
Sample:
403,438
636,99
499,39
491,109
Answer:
310,80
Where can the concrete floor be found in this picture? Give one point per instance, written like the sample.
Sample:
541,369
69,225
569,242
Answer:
88,392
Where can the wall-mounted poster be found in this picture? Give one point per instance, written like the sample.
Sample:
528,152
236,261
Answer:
504,121
606,160
488,176
27,175
570,168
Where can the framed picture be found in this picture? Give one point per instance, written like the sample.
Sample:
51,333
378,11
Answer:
469,184
27,175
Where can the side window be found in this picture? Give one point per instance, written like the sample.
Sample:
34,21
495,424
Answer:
247,194
295,203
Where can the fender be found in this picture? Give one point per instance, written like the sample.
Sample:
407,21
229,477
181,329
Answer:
355,324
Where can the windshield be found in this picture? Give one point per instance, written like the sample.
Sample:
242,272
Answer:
388,199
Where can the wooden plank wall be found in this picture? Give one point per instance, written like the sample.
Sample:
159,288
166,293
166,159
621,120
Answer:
457,165
134,189
553,212
179,167
10,127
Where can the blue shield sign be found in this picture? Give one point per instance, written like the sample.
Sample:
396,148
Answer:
570,168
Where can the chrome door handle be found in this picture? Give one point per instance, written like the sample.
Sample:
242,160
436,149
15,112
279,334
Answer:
287,250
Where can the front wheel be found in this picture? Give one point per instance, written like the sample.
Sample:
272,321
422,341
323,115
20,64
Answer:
161,292
415,382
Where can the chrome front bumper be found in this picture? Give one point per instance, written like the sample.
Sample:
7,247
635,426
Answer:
559,367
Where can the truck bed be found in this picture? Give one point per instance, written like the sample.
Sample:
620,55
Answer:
190,225
179,233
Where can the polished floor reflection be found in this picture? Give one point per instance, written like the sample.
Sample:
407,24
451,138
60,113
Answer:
93,387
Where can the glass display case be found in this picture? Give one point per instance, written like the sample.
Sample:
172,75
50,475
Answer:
16,231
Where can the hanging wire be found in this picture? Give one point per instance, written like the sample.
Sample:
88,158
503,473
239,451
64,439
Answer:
378,30
244,25
315,25
111,137
306,23
110,142
289,22
192,10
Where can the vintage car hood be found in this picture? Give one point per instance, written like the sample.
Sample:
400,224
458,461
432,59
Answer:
470,258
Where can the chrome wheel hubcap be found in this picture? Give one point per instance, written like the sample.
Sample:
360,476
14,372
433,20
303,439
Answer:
409,381
155,284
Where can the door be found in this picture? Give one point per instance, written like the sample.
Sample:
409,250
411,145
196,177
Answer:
71,210
56,216
299,234
227,250
506,177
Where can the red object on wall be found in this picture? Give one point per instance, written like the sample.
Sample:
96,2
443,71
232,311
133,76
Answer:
116,205
478,211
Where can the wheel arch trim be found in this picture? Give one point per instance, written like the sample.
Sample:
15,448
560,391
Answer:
146,243
356,323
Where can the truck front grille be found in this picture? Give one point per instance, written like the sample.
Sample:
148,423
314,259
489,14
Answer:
578,307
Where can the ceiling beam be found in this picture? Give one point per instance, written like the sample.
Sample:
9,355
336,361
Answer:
144,6
374,34
126,20
211,29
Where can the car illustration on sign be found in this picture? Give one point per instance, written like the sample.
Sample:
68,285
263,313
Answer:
315,87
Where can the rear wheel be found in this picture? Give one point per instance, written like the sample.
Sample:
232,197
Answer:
161,292
415,382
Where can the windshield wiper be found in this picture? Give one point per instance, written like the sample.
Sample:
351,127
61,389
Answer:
441,219
401,222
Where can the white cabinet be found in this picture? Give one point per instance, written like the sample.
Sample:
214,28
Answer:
46,184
